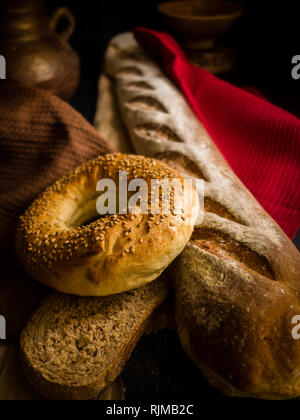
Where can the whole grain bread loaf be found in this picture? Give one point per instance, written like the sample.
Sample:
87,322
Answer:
73,347
237,283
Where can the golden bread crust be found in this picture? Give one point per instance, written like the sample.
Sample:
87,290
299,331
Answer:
115,253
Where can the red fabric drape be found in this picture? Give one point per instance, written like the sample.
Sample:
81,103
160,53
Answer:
260,141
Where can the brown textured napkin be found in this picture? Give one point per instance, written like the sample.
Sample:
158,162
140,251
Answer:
41,138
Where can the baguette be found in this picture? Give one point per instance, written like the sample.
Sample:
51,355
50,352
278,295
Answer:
73,347
107,120
237,283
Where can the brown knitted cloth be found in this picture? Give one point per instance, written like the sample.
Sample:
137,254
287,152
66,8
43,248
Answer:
41,138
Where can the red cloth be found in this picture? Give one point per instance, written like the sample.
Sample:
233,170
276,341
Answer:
260,141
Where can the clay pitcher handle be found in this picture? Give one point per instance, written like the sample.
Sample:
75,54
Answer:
58,16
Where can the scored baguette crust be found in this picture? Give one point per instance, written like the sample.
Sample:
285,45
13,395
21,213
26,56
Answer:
73,347
237,283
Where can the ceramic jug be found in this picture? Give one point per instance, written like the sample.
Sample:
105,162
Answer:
36,49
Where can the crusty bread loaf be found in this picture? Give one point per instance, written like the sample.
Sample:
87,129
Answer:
107,121
237,283
74,347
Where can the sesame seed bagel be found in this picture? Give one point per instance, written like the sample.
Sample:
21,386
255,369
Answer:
59,246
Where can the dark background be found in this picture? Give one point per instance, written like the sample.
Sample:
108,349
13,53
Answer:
265,39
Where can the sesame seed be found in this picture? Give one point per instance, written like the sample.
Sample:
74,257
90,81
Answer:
47,234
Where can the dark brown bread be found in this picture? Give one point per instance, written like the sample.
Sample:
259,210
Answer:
237,283
73,347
